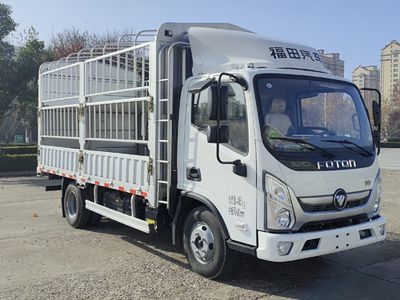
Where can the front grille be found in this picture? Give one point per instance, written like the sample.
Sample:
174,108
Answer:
330,207
333,224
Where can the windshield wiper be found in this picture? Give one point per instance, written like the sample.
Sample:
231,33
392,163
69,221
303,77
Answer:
348,142
304,142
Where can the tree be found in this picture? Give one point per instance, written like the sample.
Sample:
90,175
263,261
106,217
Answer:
7,26
393,115
20,107
27,62
393,128
72,40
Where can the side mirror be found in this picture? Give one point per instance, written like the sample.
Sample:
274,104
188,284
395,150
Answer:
376,113
223,134
213,104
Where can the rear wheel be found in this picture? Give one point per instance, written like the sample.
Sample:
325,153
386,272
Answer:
74,206
205,245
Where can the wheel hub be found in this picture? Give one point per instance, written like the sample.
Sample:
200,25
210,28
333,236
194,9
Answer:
71,205
202,242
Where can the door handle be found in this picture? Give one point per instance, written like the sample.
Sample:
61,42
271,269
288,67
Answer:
193,173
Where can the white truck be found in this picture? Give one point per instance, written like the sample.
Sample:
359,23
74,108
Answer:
236,142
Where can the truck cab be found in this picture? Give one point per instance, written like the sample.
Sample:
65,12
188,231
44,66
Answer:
295,173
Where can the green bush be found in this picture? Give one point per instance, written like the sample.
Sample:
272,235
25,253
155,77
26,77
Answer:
390,144
18,149
22,162
16,145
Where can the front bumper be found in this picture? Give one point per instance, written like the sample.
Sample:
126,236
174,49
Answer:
330,241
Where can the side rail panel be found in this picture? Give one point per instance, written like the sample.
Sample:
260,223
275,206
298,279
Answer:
123,172
58,161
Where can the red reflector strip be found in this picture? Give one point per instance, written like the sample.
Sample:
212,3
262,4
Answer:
134,192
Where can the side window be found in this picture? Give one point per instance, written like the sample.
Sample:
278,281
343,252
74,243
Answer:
199,110
237,116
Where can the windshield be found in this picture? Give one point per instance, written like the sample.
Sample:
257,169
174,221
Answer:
312,116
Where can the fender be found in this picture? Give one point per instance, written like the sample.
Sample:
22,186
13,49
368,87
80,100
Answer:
207,202
248,249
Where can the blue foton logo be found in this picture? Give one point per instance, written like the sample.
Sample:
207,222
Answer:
339,199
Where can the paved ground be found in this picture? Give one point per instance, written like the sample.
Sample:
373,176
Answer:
41,257
390,158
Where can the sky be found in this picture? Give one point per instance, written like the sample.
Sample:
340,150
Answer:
357,29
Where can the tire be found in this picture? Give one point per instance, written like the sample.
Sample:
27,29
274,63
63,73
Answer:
201,228
74,206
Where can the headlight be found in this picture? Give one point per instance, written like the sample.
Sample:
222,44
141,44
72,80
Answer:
280,213
377,192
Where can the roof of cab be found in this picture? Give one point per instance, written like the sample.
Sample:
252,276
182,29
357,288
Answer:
216,50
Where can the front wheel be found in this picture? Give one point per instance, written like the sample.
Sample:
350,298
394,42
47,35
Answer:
205,245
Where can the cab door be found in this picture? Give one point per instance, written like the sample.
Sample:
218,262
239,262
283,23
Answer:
234,196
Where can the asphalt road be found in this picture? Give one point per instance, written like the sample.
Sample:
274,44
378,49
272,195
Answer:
41,257
390,158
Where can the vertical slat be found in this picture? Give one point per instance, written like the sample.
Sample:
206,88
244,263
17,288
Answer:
57,88
57,123
72,122
68,110
53,83
143,65
54,122
102,74
47,87
70,83
118,70
77,122
46,121
90,121
110,74
111,114
105,120
94,122
136,122
143,129
99,136
64,123
62,73
123,120
126,70
116,121
129,121
135,71
96,77
90,78
53,114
